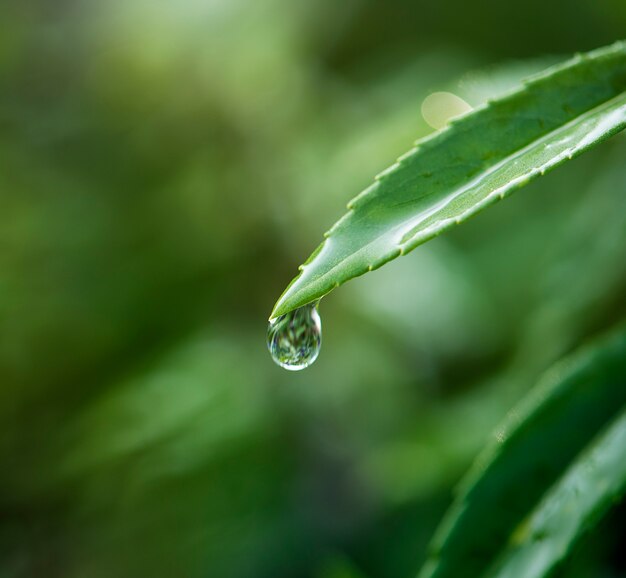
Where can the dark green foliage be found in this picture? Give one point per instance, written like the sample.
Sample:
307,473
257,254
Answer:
531,450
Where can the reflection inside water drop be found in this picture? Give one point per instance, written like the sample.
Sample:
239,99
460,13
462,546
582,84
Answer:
294,339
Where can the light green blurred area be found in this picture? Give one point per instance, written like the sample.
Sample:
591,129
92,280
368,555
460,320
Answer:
164,167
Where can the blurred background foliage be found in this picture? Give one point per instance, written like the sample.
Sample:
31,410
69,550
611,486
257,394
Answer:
164,167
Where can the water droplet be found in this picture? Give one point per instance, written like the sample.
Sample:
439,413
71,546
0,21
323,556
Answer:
294,339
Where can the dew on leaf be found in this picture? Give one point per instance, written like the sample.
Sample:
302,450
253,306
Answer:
294,339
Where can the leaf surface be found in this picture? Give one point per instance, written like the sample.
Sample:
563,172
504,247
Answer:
475,161
594,482
535,445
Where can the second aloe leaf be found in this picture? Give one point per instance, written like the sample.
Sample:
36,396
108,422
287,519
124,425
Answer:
487,528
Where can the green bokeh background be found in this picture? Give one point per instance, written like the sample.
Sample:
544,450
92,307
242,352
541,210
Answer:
164,167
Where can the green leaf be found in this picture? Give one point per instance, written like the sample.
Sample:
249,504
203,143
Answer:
475,161
536,444
594,482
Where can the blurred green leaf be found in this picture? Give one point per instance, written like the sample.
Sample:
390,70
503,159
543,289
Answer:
531,450
478,160
591,486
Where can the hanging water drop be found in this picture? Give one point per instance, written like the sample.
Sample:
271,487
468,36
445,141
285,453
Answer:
294,339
